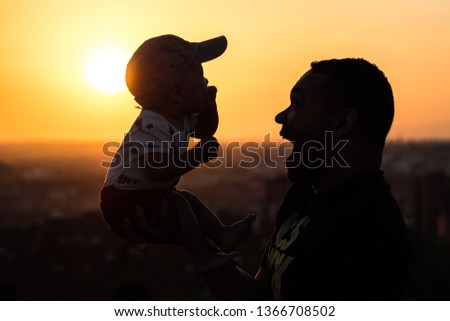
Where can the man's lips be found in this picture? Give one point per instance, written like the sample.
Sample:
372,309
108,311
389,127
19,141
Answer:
285,135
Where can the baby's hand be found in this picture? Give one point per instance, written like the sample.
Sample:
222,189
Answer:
212,93
209,148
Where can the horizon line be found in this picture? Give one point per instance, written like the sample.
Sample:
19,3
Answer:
221,140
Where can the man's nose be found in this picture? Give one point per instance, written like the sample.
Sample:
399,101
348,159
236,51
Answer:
206,81
281,117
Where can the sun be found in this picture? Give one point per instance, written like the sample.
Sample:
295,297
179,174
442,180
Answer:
104,69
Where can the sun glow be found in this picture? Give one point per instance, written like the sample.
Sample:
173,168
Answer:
105,69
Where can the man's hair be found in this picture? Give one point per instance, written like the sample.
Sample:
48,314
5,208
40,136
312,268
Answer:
358,84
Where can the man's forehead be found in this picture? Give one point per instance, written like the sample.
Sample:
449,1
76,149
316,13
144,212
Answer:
308,80
307,75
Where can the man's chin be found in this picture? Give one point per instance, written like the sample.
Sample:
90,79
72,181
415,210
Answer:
291,175
294,172
293,163
297,174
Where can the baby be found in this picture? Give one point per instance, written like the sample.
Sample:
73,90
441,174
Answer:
165,76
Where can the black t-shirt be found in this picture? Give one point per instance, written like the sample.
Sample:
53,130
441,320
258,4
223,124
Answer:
348,243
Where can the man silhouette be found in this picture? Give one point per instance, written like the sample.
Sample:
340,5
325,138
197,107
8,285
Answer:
339,233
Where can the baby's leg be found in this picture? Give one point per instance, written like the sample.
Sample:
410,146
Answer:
193,240
228,238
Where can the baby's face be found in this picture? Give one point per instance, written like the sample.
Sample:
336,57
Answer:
193,88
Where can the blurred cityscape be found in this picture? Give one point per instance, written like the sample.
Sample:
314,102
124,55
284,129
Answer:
54,244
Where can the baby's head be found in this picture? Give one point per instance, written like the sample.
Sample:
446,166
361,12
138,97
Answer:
162,63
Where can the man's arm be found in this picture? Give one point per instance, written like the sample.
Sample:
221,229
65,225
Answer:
208,119
227,283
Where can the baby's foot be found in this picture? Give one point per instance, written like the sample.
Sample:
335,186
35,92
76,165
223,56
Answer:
215,261
233,235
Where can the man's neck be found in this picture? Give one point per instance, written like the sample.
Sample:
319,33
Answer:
332,177
359,157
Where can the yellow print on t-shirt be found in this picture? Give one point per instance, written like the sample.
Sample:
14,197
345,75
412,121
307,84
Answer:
278,260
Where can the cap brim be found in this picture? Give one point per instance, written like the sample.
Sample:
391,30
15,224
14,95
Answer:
210,49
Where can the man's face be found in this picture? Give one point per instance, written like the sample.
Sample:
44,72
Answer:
305,122
193,89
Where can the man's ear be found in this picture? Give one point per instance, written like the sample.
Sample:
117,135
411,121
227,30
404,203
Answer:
345,121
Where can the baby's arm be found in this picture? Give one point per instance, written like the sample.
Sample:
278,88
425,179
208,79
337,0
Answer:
208,119
162,166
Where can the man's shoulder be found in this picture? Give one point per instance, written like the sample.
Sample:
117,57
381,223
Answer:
372,222
367,197
364,209
373,209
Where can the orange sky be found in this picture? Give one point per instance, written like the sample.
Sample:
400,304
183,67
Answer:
45,46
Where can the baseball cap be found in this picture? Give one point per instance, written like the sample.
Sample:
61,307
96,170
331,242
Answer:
159,63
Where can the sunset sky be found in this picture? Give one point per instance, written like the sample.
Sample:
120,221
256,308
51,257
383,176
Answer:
49,49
